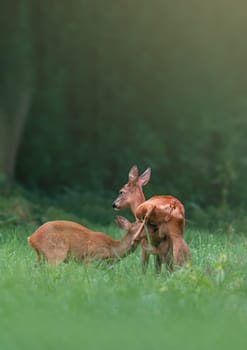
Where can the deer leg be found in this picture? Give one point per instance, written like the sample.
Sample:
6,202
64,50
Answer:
38,258
38,255
165,252
180,251
144,221
158,263
144,255
56,256
184,252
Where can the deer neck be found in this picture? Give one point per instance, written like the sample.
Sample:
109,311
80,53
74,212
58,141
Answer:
123,247
138,199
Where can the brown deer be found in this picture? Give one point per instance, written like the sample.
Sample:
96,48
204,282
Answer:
167,213
57,241
165,220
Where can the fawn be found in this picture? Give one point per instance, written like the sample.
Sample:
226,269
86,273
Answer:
60,240
164,216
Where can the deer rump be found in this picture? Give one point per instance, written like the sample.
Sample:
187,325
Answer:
160,209
58,244
165,216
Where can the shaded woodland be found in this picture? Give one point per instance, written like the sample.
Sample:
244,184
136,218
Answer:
89,88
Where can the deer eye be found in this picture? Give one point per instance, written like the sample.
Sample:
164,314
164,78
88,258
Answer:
121,192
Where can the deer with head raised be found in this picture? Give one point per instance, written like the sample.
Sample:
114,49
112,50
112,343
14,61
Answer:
164,217
59,240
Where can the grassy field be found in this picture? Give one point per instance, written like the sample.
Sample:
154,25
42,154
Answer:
70,306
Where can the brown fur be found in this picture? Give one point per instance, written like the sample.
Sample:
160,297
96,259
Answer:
165,218
59,240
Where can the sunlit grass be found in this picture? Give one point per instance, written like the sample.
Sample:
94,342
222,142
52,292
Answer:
71,306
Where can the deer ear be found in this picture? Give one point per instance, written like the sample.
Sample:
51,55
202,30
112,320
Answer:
145,177
123,222
133,174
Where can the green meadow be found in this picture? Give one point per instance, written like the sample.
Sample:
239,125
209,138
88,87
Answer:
89,89
71,306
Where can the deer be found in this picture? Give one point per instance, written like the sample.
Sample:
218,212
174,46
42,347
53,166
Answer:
164,218
58,241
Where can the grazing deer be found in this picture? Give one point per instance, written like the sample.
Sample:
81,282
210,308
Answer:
57,241
164,216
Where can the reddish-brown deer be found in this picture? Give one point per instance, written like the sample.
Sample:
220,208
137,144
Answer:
60,240
165,217
167,213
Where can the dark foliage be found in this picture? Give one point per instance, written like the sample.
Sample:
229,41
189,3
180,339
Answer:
158,84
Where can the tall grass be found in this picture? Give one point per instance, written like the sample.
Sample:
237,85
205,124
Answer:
71,306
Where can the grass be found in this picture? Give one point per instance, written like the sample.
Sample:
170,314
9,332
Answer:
202,305
70,306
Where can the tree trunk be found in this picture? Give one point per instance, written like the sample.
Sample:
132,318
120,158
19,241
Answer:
11,131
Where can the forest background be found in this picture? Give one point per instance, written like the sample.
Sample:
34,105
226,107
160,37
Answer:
90,88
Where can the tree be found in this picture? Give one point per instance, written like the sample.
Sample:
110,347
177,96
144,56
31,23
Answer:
16,83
